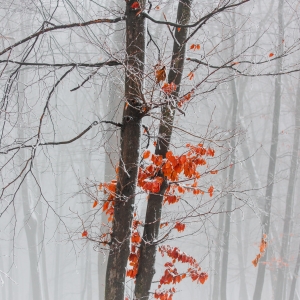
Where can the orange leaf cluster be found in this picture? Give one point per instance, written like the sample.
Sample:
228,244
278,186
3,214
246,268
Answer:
165,295
195,47
262,249
153,186
176,254
109,204
172,167
179,226
84,234
185,99
171,275
135,251
169,88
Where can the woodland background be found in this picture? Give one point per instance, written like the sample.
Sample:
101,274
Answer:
42,250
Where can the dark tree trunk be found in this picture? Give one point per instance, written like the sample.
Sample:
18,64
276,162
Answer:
273,157
130,153
146,269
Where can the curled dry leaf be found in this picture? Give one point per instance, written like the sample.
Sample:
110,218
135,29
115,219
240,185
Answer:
160,74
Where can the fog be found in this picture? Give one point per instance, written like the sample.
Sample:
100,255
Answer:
65,73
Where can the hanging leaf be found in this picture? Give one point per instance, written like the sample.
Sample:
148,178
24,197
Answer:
271,54
84,234
146,154
95,203
160,74
191,75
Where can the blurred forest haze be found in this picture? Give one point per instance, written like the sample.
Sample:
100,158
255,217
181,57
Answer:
149,149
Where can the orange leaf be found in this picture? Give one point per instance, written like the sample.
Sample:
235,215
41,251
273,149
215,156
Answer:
178,29
179,226
191,75
154,143
255,261
192,47
162,225
211,190
95,203
84,234
203,277
214,172
271,54
135,5
146,154
160,75
105,206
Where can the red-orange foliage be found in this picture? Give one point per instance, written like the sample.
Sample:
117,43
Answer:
169,88
262,249
171,275
179,226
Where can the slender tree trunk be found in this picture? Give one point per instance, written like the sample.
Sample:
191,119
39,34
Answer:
224,273
217,267
295,277
273,157
130,153
146,269
116,91
282,272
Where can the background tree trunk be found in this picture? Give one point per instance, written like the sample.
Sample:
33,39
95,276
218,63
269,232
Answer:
226,233
282,271
273,157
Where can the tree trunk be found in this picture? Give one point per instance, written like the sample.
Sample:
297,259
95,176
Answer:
273,157
295,277
223,288
112,113
146,269
282,272
130,153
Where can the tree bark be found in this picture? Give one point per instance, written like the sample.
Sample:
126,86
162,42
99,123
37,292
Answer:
130,153
146,269
273,157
